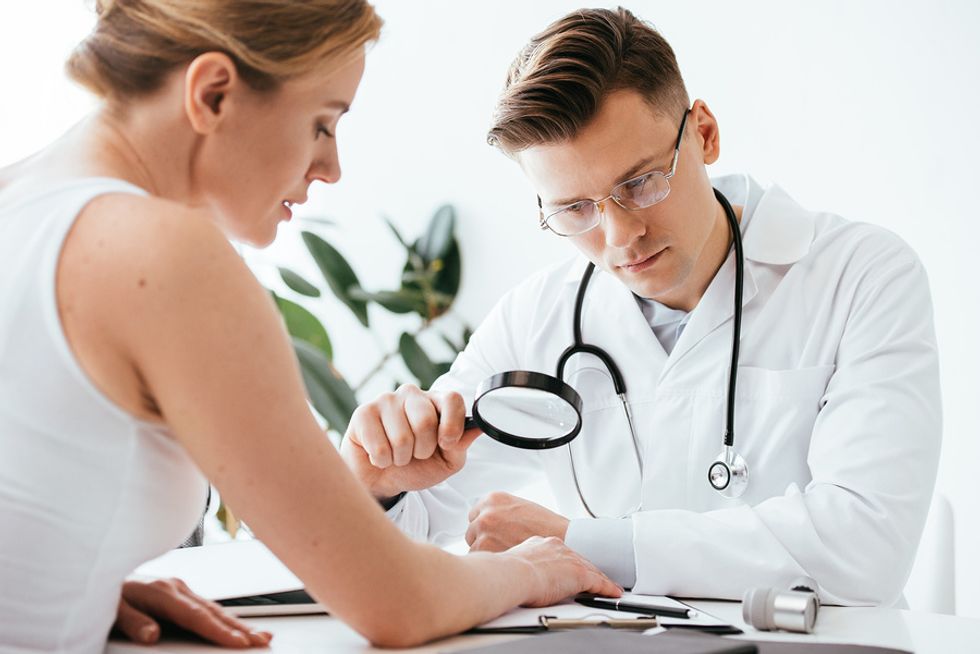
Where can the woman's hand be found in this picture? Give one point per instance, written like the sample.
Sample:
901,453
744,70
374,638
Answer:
556,572
143,603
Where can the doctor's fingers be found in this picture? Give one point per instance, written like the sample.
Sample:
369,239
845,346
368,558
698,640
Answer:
367,429
485,541
452,417
492,503
398,430
424,422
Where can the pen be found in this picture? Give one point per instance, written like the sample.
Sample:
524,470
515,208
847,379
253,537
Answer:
618,605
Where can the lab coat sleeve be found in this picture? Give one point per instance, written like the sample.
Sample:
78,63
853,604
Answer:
440,514
873,456
608,544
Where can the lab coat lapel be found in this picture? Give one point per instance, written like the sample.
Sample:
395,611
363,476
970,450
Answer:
716,308
613,321
778,232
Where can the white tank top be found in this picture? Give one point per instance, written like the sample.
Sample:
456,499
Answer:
87,491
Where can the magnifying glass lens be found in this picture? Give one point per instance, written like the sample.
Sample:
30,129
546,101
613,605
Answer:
530,412
527,409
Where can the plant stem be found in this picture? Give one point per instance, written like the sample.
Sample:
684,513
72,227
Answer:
381,364
377,368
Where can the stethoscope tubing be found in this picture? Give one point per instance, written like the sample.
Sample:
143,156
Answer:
580,347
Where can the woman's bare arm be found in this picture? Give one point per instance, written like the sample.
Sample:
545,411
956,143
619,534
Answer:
165,294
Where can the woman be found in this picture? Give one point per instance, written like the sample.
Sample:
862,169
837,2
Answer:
139,356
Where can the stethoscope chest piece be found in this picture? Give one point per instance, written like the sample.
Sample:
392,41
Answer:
729,474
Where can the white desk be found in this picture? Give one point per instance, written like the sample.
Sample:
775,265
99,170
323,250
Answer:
923,633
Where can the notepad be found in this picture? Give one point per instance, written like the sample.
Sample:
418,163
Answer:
244,576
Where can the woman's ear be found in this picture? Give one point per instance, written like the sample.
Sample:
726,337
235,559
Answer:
706,126
207,82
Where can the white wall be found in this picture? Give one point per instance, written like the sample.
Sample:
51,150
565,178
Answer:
866,109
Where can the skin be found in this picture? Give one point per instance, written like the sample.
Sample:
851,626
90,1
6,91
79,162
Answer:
169,323
688,233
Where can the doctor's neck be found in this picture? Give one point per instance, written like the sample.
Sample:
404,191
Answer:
690,275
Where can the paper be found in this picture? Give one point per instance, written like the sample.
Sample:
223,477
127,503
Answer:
224,570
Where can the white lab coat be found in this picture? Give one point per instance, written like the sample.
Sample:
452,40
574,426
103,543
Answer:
838,412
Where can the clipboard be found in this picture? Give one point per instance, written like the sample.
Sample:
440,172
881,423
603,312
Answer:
571,615
554,623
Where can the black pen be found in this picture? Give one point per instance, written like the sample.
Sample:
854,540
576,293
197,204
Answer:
613,604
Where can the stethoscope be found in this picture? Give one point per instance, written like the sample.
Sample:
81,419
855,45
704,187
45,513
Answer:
728,473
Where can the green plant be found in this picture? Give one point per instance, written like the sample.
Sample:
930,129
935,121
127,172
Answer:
430,281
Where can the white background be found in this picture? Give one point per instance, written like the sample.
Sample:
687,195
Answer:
866,109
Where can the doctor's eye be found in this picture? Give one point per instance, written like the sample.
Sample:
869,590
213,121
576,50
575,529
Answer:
322,129
577,209
637,183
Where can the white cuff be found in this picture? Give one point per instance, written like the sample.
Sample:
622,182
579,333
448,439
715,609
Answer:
607,543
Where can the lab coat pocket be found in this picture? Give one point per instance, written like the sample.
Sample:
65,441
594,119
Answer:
774,417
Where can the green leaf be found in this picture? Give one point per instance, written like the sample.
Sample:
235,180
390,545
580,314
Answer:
338,273
296,282
435,243
417,361
401,301
446,281
330,394
302,324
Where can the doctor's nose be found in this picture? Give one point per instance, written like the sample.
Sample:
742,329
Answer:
619,226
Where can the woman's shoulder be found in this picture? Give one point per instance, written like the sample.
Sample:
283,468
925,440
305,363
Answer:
130,251
135,227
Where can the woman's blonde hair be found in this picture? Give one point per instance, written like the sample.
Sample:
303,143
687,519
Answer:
558,81
136,43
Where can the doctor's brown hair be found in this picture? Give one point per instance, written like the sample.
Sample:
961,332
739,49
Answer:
557,83
136,43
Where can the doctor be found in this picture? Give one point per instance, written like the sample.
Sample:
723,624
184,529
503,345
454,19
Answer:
836,406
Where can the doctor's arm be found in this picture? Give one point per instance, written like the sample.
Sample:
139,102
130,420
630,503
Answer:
873,455
409,445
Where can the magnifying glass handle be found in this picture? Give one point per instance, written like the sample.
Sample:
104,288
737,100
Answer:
470,423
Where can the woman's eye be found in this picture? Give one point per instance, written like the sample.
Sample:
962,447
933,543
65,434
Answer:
322,129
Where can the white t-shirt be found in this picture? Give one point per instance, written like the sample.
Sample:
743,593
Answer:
87,491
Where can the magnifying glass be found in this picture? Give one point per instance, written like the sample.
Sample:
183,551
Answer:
529,410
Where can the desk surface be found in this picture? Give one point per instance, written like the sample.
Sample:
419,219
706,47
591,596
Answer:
923,633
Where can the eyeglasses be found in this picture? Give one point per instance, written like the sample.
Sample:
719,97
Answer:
634,194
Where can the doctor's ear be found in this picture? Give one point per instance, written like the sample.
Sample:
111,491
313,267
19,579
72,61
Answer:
207,82
706,128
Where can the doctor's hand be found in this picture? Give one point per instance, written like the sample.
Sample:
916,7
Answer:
143,604
407,440
500,520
